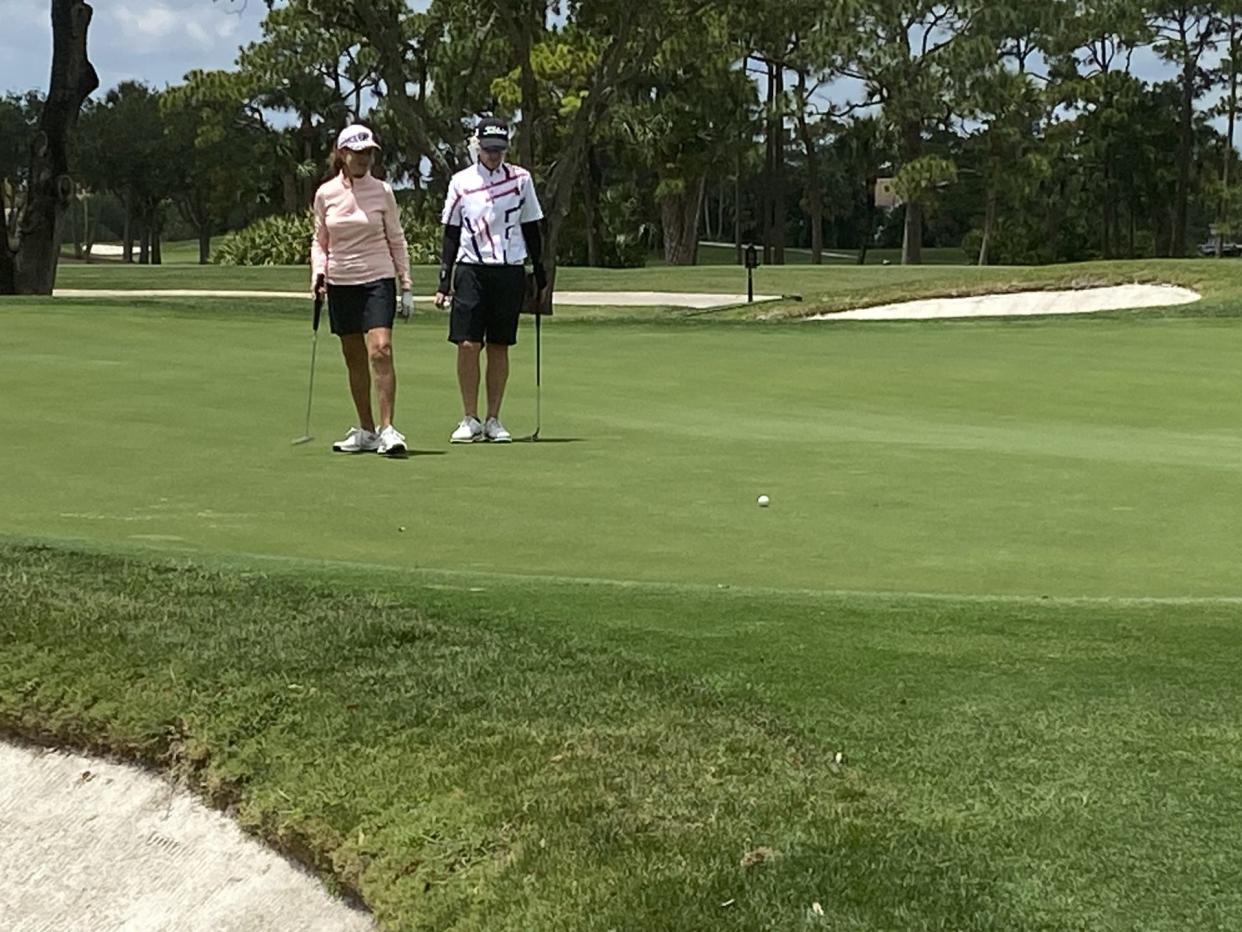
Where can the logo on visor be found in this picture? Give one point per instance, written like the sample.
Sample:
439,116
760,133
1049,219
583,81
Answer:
357,137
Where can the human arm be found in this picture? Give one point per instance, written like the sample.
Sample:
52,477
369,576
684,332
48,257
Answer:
319,245
395,237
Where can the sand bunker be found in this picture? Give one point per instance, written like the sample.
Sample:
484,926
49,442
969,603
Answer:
1025,304
89,844
685,299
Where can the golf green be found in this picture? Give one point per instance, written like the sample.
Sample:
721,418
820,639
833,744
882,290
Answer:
1063,458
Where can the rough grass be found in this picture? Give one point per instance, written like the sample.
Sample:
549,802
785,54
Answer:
466,775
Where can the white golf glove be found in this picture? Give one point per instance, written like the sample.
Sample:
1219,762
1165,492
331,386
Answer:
407,305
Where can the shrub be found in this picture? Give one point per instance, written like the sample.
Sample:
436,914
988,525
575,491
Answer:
281,239
284,239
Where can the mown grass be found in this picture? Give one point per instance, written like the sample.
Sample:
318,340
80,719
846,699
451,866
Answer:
581,709
564,757
461,775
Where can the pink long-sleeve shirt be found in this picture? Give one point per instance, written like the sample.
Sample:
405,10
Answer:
358,236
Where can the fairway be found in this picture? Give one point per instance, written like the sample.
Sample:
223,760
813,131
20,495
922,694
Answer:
1040,459
574,684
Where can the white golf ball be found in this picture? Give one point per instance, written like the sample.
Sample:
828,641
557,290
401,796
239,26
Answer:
764,501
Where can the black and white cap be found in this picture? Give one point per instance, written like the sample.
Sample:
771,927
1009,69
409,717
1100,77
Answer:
493,134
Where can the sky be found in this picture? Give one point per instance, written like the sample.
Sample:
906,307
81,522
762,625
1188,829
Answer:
156,41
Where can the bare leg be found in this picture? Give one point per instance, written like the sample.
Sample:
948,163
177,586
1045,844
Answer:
468,377
497,377
354,348
379,349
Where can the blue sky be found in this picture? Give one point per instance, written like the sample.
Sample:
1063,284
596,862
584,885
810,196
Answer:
156,41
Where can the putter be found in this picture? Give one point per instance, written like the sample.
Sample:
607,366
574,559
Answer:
310,394
533,305
538,375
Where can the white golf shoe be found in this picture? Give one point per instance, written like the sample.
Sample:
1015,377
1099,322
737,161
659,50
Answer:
391,442
495,432
468,431
358,441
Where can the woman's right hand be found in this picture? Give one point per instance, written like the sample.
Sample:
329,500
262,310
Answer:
441,299
319,289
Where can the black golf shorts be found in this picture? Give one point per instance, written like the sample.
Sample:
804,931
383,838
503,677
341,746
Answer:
487,301
359,308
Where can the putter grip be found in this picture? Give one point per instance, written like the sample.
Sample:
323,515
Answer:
318,302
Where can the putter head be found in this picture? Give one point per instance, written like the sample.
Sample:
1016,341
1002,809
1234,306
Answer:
302,440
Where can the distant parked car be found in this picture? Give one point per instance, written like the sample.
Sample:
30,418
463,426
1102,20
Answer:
1208,248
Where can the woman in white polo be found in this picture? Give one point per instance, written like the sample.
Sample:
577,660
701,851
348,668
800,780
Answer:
491,227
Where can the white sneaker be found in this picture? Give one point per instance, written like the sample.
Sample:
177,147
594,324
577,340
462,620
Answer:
358,441
494,431
468,431
391,442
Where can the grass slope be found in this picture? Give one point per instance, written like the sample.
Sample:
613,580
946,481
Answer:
518,757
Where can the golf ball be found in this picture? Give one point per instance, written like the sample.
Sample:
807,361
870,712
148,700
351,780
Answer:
401,530
764,501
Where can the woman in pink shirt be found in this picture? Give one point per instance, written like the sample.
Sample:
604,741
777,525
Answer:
357,253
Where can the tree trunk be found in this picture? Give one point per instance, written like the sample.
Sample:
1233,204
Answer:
1110,207
1230,153
912,238
590,210
1184,144
680,214
78,231
530,102
720,215
989,223
769,170
814,188
567,169
127,233
91,228
32,268
737,210
778,169
8,273
410,123
204,244
301,191
1223,221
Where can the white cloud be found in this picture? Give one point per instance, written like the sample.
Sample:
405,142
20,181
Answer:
196,32
156,41
154,21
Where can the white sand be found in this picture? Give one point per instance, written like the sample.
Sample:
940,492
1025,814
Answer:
89,844
567,298
1025,304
